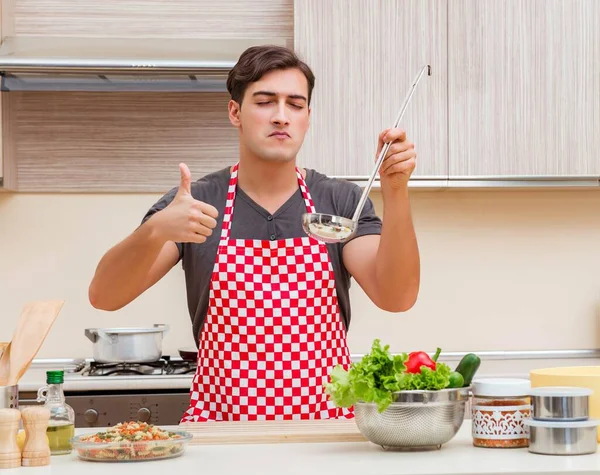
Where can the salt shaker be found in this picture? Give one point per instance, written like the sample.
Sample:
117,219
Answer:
10,454
36,451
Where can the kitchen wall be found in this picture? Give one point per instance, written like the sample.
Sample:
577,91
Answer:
509,270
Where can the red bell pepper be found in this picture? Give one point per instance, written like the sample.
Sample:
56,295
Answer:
416,359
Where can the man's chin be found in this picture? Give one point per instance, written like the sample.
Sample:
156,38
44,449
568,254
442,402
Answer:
280,158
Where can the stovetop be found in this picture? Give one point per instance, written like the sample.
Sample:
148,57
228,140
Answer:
164,366
166,374
81,367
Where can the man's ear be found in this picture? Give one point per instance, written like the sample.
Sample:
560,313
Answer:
234,112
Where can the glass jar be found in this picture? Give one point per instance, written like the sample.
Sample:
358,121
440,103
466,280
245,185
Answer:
61,427
499,410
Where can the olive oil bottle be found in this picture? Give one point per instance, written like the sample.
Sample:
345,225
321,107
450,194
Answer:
61,427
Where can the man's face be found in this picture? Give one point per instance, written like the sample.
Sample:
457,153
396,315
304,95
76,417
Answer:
274,115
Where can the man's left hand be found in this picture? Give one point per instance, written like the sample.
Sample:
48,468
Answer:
400,160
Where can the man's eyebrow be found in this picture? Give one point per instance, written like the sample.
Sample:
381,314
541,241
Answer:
273,94
297,96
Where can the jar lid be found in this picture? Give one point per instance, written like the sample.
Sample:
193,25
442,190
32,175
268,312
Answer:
55,377
501,387
561,424
561,391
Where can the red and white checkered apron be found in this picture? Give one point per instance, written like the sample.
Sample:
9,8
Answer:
273,330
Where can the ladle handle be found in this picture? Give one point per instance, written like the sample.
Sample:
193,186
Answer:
386,147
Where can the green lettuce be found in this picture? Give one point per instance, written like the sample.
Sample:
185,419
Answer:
427,379
378,375
373,379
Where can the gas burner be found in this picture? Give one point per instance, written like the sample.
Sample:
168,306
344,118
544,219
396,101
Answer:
107,369
181,367
162,366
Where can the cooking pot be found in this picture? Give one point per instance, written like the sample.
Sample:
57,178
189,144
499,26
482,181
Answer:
127,345
188,354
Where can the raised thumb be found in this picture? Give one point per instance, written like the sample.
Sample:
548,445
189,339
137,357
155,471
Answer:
185,187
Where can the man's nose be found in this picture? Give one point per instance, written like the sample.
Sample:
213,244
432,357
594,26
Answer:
280,117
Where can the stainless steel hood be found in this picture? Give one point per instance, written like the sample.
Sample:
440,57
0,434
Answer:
119,64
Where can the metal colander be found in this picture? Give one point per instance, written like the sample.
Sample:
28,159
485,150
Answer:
416,419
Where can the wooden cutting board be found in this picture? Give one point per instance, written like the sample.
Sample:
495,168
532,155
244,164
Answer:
270,432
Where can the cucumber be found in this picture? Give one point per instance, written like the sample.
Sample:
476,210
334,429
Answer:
468,366
456,380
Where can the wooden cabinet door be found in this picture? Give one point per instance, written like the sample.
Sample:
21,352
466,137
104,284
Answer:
524,82
365,54
8,169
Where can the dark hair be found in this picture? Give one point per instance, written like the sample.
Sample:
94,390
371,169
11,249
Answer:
257,61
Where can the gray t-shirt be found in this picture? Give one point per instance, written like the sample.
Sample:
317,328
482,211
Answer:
251,221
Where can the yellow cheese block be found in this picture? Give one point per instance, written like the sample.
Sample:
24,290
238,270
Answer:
575,376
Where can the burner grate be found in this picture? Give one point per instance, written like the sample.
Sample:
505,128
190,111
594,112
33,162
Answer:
155,368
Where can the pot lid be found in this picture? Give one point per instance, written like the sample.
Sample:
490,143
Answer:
130,330
562,424
561,391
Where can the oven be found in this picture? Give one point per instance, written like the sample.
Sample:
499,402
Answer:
102,395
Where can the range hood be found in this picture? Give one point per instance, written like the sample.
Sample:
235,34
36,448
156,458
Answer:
43,63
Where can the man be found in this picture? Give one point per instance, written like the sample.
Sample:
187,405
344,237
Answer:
269,305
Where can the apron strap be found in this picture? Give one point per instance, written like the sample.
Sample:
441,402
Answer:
229,204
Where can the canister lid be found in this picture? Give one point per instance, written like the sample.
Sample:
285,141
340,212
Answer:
561,424
561,391
501,387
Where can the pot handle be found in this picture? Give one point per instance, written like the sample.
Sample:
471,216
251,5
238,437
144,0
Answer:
164,328
91,334
94,333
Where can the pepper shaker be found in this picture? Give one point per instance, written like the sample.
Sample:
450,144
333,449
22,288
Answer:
10,454
36,451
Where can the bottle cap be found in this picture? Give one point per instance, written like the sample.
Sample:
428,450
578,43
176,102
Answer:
55,377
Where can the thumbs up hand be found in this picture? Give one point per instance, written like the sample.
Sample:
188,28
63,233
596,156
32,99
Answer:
185,186
185,219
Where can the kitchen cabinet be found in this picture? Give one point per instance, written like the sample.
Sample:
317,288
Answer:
365,54
7,165
1,153
117,142
513,95
150,18
80,141
523,82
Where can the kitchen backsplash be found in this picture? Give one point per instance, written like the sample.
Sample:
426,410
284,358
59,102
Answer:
500,271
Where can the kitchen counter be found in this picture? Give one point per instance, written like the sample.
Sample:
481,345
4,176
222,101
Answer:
456,457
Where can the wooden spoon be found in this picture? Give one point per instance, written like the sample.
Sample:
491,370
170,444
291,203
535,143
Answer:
34,324
3,346
5,365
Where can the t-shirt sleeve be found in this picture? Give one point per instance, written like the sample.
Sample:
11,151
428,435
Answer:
161,204
369,222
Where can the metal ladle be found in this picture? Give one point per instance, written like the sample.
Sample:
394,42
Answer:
332,229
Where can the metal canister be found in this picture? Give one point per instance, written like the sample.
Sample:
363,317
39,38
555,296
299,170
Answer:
9,397
558,403
563,438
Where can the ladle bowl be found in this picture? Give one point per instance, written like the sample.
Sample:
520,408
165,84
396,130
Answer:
328,228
